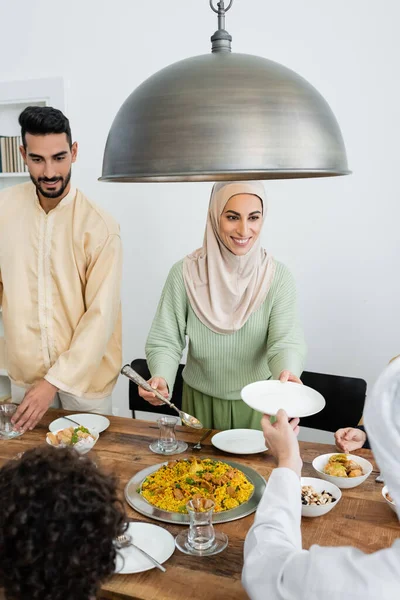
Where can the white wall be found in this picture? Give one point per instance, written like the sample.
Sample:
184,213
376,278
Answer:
339,236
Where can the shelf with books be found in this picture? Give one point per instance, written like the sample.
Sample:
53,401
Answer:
14,97
11,160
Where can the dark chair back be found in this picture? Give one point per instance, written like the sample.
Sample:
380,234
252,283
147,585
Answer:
344,396
136,402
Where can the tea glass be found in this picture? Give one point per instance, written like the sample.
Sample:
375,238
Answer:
201,539
7,431
167,442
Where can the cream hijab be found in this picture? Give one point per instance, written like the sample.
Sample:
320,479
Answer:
382,422
224,290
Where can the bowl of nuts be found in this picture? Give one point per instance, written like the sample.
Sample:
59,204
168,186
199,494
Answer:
318,497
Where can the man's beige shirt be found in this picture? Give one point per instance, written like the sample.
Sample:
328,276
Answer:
60,277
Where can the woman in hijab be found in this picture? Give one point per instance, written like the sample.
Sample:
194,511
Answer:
275,566
236,305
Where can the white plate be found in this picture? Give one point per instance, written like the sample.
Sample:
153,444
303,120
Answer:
239,441
155,540
89,420
296,399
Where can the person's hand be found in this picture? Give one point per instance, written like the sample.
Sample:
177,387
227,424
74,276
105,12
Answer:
288,376
281,439
35,403
159,384
349,439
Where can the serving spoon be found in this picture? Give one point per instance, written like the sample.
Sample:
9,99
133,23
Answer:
72,420
138,379
203,437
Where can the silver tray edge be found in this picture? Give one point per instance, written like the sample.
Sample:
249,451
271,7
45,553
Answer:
140,505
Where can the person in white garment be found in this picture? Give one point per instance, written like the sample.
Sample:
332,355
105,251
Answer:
60,275
275,565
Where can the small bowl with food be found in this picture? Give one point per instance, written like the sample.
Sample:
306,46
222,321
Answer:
80,438
318,497
388,498
344,470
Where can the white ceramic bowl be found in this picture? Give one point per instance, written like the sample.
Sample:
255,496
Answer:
343,482
391,504
79,448
320,486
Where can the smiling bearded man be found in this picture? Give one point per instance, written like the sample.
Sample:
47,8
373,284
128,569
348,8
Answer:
60,274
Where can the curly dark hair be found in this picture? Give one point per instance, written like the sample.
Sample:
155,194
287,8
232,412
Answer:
59,517
42,120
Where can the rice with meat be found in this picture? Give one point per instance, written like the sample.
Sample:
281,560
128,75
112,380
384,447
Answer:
174,484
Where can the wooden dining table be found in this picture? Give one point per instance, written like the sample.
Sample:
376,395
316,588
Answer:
361,519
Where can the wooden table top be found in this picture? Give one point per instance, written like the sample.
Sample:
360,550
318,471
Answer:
361,519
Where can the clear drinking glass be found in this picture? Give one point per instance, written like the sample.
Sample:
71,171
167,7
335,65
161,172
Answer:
7,430
167,442
201,531
167,436
201,539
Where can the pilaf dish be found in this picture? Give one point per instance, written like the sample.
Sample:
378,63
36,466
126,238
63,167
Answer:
177,482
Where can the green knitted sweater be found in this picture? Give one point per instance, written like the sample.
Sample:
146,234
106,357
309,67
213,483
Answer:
219,365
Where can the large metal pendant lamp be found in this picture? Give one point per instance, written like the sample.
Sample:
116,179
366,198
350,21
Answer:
223,116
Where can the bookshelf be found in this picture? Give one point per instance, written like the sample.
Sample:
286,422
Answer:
17,95
14,97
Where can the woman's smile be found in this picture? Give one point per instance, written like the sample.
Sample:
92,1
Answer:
241,242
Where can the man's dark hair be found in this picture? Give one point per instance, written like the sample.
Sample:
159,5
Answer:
42,120
59,517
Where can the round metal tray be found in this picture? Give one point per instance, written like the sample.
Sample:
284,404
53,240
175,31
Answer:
140,504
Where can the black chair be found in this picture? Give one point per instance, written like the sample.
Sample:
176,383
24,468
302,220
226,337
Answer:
136,402
344,396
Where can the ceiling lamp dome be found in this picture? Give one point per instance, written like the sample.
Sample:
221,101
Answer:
224,116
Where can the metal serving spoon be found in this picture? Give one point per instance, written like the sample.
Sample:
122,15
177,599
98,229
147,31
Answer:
203,437
125,540
138,379
72,421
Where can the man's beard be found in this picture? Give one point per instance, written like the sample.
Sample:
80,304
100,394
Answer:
55,194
